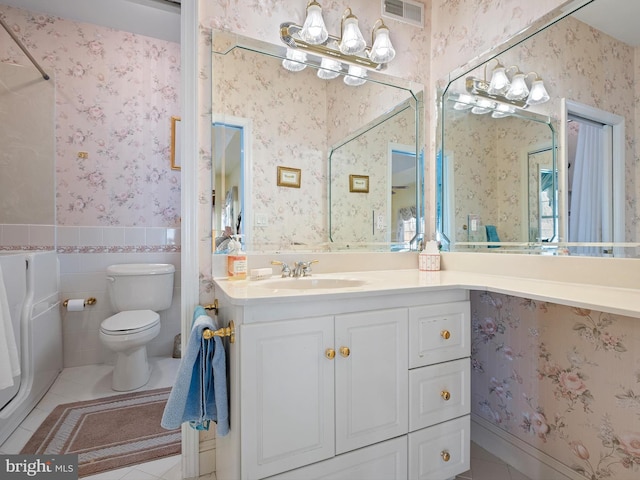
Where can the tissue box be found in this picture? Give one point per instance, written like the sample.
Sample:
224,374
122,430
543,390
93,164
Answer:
428,262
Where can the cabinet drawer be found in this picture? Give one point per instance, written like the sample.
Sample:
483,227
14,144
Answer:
440,452
438,393
439,333
383,461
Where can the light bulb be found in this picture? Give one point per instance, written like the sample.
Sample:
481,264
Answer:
518,89
352,41
329,69
314,30
295,60
465,102
538,93
483,106
499,82
356,76
503,110
382,50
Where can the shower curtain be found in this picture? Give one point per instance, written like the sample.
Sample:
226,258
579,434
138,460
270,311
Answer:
586,205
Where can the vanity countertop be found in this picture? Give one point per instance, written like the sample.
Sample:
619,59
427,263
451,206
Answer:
616,300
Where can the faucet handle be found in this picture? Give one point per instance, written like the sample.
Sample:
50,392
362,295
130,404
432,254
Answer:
306,267
286,271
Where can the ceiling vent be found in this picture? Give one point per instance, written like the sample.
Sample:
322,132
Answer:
404,11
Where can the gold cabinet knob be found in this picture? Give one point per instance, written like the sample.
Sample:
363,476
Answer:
445,455
330,353
446,334
445,395
344,351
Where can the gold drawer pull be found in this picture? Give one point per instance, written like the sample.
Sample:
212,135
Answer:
445,455
446,334
445,395
344,351
330,353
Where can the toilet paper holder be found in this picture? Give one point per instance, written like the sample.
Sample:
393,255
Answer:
88,301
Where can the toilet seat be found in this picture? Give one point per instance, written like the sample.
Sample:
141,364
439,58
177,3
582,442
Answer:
130,322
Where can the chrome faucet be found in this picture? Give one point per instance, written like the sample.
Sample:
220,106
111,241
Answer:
300,269
303,269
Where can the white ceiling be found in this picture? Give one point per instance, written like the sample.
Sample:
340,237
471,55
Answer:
152,18
617,18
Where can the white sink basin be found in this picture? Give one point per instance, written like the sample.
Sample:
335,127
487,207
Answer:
311,283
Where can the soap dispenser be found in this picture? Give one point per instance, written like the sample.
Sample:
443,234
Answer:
236,260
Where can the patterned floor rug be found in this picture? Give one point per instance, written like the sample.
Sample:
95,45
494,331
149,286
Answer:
108,433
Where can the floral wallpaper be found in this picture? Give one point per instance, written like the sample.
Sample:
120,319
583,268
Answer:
565,380
115,95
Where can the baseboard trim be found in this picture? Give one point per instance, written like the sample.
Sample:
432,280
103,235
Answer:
520,455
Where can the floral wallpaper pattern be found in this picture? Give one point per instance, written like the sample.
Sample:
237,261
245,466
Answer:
115,94
565,380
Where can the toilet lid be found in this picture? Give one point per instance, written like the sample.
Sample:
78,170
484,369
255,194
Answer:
130,320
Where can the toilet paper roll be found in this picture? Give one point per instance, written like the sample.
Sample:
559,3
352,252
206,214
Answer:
75,305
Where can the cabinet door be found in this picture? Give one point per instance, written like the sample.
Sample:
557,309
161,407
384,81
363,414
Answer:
287,395
439,333
382,461
371,378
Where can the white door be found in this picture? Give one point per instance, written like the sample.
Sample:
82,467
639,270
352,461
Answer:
287,395
371,377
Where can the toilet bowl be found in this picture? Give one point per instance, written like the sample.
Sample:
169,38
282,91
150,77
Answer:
127,334
136,292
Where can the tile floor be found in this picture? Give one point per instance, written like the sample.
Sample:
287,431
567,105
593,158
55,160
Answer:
94,381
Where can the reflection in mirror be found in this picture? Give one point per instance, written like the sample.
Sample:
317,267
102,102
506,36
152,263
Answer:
581,64
294,119
385,152
543,196
228,160
488,160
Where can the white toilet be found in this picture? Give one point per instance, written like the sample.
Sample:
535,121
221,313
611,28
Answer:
137,291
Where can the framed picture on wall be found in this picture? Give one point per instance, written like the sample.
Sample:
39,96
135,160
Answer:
359,183
289,177
175,143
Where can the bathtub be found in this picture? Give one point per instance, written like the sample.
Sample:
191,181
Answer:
32,283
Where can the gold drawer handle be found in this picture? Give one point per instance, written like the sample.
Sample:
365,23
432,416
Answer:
446,334
344,351
445,455
330,353
445,395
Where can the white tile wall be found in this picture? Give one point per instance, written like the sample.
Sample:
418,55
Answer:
84,254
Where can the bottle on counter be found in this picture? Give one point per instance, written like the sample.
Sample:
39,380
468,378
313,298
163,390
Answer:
236,260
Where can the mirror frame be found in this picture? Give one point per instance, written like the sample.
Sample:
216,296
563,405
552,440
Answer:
224,42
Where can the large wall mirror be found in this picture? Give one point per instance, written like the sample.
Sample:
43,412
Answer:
547,174
302,163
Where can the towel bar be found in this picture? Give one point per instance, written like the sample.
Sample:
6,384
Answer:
212,306
229,331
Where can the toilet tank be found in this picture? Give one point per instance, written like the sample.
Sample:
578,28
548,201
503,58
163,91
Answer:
140,286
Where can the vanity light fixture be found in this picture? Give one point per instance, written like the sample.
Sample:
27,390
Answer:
349,48
509,90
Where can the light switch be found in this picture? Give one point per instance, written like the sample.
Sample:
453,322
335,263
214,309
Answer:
261,220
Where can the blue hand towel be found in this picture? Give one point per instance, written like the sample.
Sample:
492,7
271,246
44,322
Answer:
492,235
199,394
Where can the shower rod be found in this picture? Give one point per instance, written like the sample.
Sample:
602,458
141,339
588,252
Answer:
24,49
